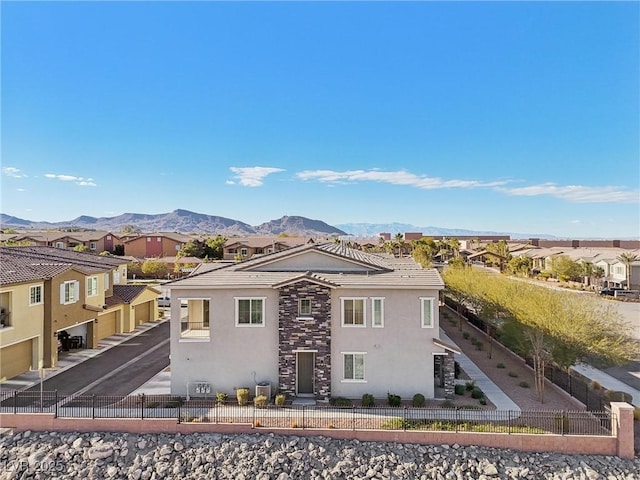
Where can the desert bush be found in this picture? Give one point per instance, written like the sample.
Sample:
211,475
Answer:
459,389
368,400
468,386
260,401
617,396
418,400
500,365
513,374
477,393
483,401
466,335
524,384
340,402
242,394
394,400
595,385
221,397
281,399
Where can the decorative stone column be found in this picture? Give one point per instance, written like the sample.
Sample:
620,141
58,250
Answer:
308,333
449,372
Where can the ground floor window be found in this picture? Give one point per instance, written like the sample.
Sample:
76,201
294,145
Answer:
353,366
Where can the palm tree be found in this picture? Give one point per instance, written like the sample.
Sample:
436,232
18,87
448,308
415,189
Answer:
399,241
628,258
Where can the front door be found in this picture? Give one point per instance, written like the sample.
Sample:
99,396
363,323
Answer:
305,372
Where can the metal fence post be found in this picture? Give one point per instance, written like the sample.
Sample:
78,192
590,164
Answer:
142,407
456,418
404,418
353,417
179,410
15,401
93,406
304,416
55,405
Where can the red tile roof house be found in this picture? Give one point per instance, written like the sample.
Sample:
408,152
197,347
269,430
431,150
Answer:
314,320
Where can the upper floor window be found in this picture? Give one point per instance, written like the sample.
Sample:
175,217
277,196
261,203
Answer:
353,312
148,239
106,281
108,237
93,245
304,307
158,239
116,277
69,292
250,312
92,286
427,312
194,319
243,252
377,309
35,295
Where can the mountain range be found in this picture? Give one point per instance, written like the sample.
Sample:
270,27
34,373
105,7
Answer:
186,222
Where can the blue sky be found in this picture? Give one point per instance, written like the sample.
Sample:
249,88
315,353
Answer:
504,116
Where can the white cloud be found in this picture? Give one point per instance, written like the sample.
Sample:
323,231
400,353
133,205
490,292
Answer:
569,193
400,177
575,221
252,176
83,182
578,193
20,190
13,172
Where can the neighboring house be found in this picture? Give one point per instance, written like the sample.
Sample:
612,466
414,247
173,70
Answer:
155,245
84,299
247,247
635,276
95,241
314,320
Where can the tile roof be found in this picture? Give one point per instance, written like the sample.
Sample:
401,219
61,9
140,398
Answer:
380,272
127,293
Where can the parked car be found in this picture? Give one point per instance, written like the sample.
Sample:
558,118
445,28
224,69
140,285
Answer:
164,302
611,290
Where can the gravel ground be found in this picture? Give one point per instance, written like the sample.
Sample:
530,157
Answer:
262,457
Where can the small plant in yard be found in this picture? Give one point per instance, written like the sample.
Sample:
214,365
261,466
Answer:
294,424
479,345
524,384
500,365
340,402
221,397
330,425
459,389
513,374
418,400
470,385
260,401
242,394
595,385
466,335
256,423
477,393
368,400
483,401
281,399
394,400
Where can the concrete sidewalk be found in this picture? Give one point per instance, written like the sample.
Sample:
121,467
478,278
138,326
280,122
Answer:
490,389
607,381
70,359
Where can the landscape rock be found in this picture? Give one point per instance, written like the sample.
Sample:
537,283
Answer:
273,457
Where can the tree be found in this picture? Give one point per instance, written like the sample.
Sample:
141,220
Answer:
399,243
521,265
214,247
154,268
130,229
80,248
628,259
564,268
422,251
501,250
193,248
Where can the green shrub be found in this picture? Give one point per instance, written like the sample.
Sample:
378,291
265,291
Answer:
468,386
447,404
466,335
479,345
340,402
368,400
260,401
513,374
281,399
394,400
500,365
459,389
242,394
483,401
396,424
617,396
524,384
418,400
595,385
477,393
221,397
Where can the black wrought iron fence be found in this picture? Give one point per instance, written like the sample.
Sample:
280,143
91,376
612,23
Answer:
200,410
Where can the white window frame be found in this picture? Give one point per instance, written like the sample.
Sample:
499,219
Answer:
92,290
93,245
364,312
244,252
432,312
373,312
158,239
60,245
237,311
148,239
39,300
353,368
69,292
106,281
300,312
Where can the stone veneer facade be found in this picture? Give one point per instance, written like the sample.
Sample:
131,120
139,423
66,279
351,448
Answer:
311,333
449,375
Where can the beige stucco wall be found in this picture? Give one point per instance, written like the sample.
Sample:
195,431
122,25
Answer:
233,356
27,322
399,356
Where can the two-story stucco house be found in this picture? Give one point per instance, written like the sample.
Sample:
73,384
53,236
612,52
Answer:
313,320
